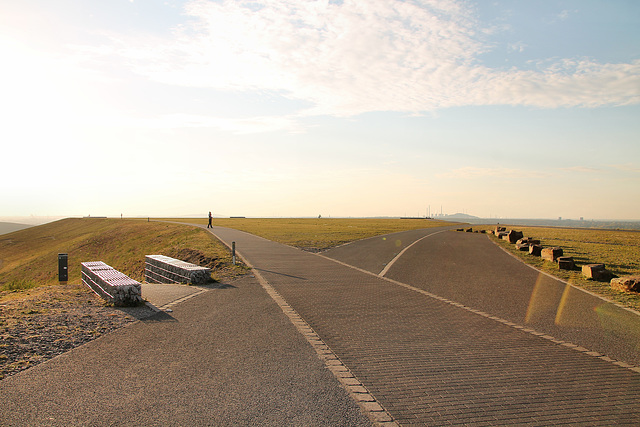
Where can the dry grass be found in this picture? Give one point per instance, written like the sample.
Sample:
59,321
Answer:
618,250
28,258
319,233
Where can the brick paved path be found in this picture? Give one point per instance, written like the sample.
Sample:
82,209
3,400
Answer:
430,360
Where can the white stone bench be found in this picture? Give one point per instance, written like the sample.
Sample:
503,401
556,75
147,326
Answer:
164,269
110,284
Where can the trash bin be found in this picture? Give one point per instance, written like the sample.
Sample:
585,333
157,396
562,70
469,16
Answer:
63,271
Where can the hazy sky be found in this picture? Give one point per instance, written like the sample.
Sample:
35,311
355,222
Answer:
339,108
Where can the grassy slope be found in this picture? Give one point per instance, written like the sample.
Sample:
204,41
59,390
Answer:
320,233
28,258
618,250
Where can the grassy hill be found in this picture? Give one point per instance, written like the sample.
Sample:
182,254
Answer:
29,257
10,227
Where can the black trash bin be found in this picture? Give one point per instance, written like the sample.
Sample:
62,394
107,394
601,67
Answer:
63,271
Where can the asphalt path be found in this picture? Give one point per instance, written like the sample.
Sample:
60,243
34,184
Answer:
224,357
470,269
431,360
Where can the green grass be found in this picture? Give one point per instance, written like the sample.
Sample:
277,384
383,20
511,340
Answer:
319,233
29,258
618,250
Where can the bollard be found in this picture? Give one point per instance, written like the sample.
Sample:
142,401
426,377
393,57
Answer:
63,272
233,252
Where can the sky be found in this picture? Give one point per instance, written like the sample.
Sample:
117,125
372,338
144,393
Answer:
290,108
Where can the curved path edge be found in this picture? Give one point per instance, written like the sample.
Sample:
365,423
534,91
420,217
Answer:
593,294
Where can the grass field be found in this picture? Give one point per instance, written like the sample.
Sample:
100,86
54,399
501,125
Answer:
319,233
28,258
618,250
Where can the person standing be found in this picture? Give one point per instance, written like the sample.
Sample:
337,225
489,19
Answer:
209,225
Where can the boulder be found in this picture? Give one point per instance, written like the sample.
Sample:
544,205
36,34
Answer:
514,236
469,230
502,235
522,246
551,254
529,240
535,250
499,229
566,263
626,283
596,272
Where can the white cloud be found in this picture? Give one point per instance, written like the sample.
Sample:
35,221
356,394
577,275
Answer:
472,172
238,126
364,55
627,167
582,169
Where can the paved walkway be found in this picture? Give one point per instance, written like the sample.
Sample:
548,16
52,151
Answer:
225,357
431,360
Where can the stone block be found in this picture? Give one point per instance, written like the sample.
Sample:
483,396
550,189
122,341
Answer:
522,246
566,263
499,229
529,240
469,230
110,284
626,283
164,269
551,254
514,236
535,250
596,272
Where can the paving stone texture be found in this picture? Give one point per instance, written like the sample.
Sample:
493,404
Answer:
432,360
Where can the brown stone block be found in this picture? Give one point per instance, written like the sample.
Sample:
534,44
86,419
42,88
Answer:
551,254
566,263
535,250
529,240
596,272
514,236
626,283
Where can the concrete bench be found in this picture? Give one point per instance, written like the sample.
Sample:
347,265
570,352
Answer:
110,284
164,269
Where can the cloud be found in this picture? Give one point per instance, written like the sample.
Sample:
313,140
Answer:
627,167
238,126
472,172
363,55
516,47
582,169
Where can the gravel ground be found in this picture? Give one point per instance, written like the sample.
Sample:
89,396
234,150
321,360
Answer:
44,322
